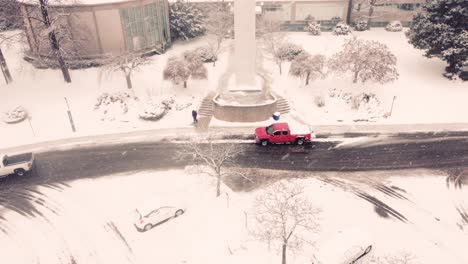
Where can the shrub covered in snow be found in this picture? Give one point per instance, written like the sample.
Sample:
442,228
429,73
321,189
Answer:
361,25
15,115
394,26
341,29
314,28
319,101
112,104
167,101
289,51
367,106
153,110
206,54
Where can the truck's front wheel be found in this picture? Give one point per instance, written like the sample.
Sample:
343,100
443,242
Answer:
300,141
264,143
20,172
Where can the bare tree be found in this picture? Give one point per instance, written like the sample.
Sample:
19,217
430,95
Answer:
213,158
308,67
126,63
370,5
195,65
176,70
181,69
55,36
284,216
5,39
9,19
272,38
367,60
219,24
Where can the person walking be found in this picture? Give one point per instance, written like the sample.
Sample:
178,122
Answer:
194,115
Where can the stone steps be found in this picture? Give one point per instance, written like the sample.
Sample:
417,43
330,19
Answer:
206,107
282,105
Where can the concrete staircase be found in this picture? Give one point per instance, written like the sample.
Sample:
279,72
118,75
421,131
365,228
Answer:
206,107
205,113
282,105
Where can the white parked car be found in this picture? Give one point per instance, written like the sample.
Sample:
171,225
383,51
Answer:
146,221
16,164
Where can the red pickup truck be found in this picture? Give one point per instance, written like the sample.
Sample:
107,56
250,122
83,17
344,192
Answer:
279,133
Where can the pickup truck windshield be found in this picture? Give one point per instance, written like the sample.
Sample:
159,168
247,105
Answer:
269,129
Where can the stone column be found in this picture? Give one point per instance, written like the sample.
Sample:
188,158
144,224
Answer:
244,43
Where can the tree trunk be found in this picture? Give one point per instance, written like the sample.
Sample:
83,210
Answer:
283,255
371,12
54,42
355,77
307,78
279,65
4,68
214,63
350,9
185,84
218,185
129,81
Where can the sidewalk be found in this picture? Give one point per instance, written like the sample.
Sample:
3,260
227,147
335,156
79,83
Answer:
323,131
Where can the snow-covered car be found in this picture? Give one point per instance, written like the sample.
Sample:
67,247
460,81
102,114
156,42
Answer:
146,221
16,164
394,26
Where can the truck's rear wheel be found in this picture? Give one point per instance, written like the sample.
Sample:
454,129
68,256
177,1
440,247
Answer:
264,143
300,141
20,172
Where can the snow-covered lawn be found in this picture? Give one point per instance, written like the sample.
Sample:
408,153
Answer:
91,221
422,94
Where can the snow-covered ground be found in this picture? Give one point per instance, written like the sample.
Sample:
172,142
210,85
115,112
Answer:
411,214
422,94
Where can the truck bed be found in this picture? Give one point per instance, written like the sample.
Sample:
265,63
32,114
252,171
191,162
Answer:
20,158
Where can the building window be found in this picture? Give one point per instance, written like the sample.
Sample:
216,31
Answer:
141,26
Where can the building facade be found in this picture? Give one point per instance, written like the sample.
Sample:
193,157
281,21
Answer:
295,14
386,11
97,31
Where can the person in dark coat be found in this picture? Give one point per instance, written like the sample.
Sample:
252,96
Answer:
194,115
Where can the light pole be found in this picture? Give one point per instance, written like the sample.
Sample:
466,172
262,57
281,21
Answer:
70,116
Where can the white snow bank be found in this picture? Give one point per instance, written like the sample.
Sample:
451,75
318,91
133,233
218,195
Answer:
213,230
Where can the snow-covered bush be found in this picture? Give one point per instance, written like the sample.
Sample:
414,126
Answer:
168,101
314,28
341,29
15,115
367,107
112,104
153,110
394,26
289,51
361,25
206,54
319,101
